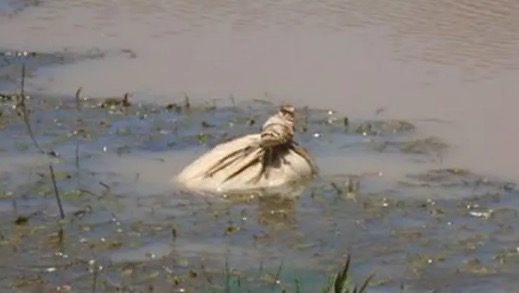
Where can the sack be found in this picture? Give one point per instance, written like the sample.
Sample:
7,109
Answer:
268,160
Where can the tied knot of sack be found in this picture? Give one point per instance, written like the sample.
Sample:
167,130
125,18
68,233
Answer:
279,128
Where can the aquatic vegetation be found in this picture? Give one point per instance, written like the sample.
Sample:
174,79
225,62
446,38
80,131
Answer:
341,282
83,208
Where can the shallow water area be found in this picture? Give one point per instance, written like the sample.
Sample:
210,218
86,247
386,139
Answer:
418,184
127,226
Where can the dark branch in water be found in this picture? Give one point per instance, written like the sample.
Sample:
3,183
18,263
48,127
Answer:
206,275
173,234
126,102
276,277
95,271
22,85
336,188
25,117
187,105
227,275
94,280
77,159
78,108
25,113
346,123
78,99
56,191
104,185
305,126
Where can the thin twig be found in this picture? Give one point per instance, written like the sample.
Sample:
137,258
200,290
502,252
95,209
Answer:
94,270
276,278
206,275
174,234
77,160
78,108
94,280
78,99
56,192
187,104
227,276
306,122
106,186
25,114
22,86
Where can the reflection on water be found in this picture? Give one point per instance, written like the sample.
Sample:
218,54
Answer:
276,210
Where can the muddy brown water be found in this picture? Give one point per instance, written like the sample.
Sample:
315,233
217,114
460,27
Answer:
449,60
448,67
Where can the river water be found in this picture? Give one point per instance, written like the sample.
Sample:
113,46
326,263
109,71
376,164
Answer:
448,66
451,61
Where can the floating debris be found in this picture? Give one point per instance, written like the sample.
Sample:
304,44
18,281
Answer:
112,102
267,160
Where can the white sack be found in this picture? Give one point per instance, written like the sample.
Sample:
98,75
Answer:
268,160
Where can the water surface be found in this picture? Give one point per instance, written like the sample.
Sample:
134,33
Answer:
449,60
447,67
